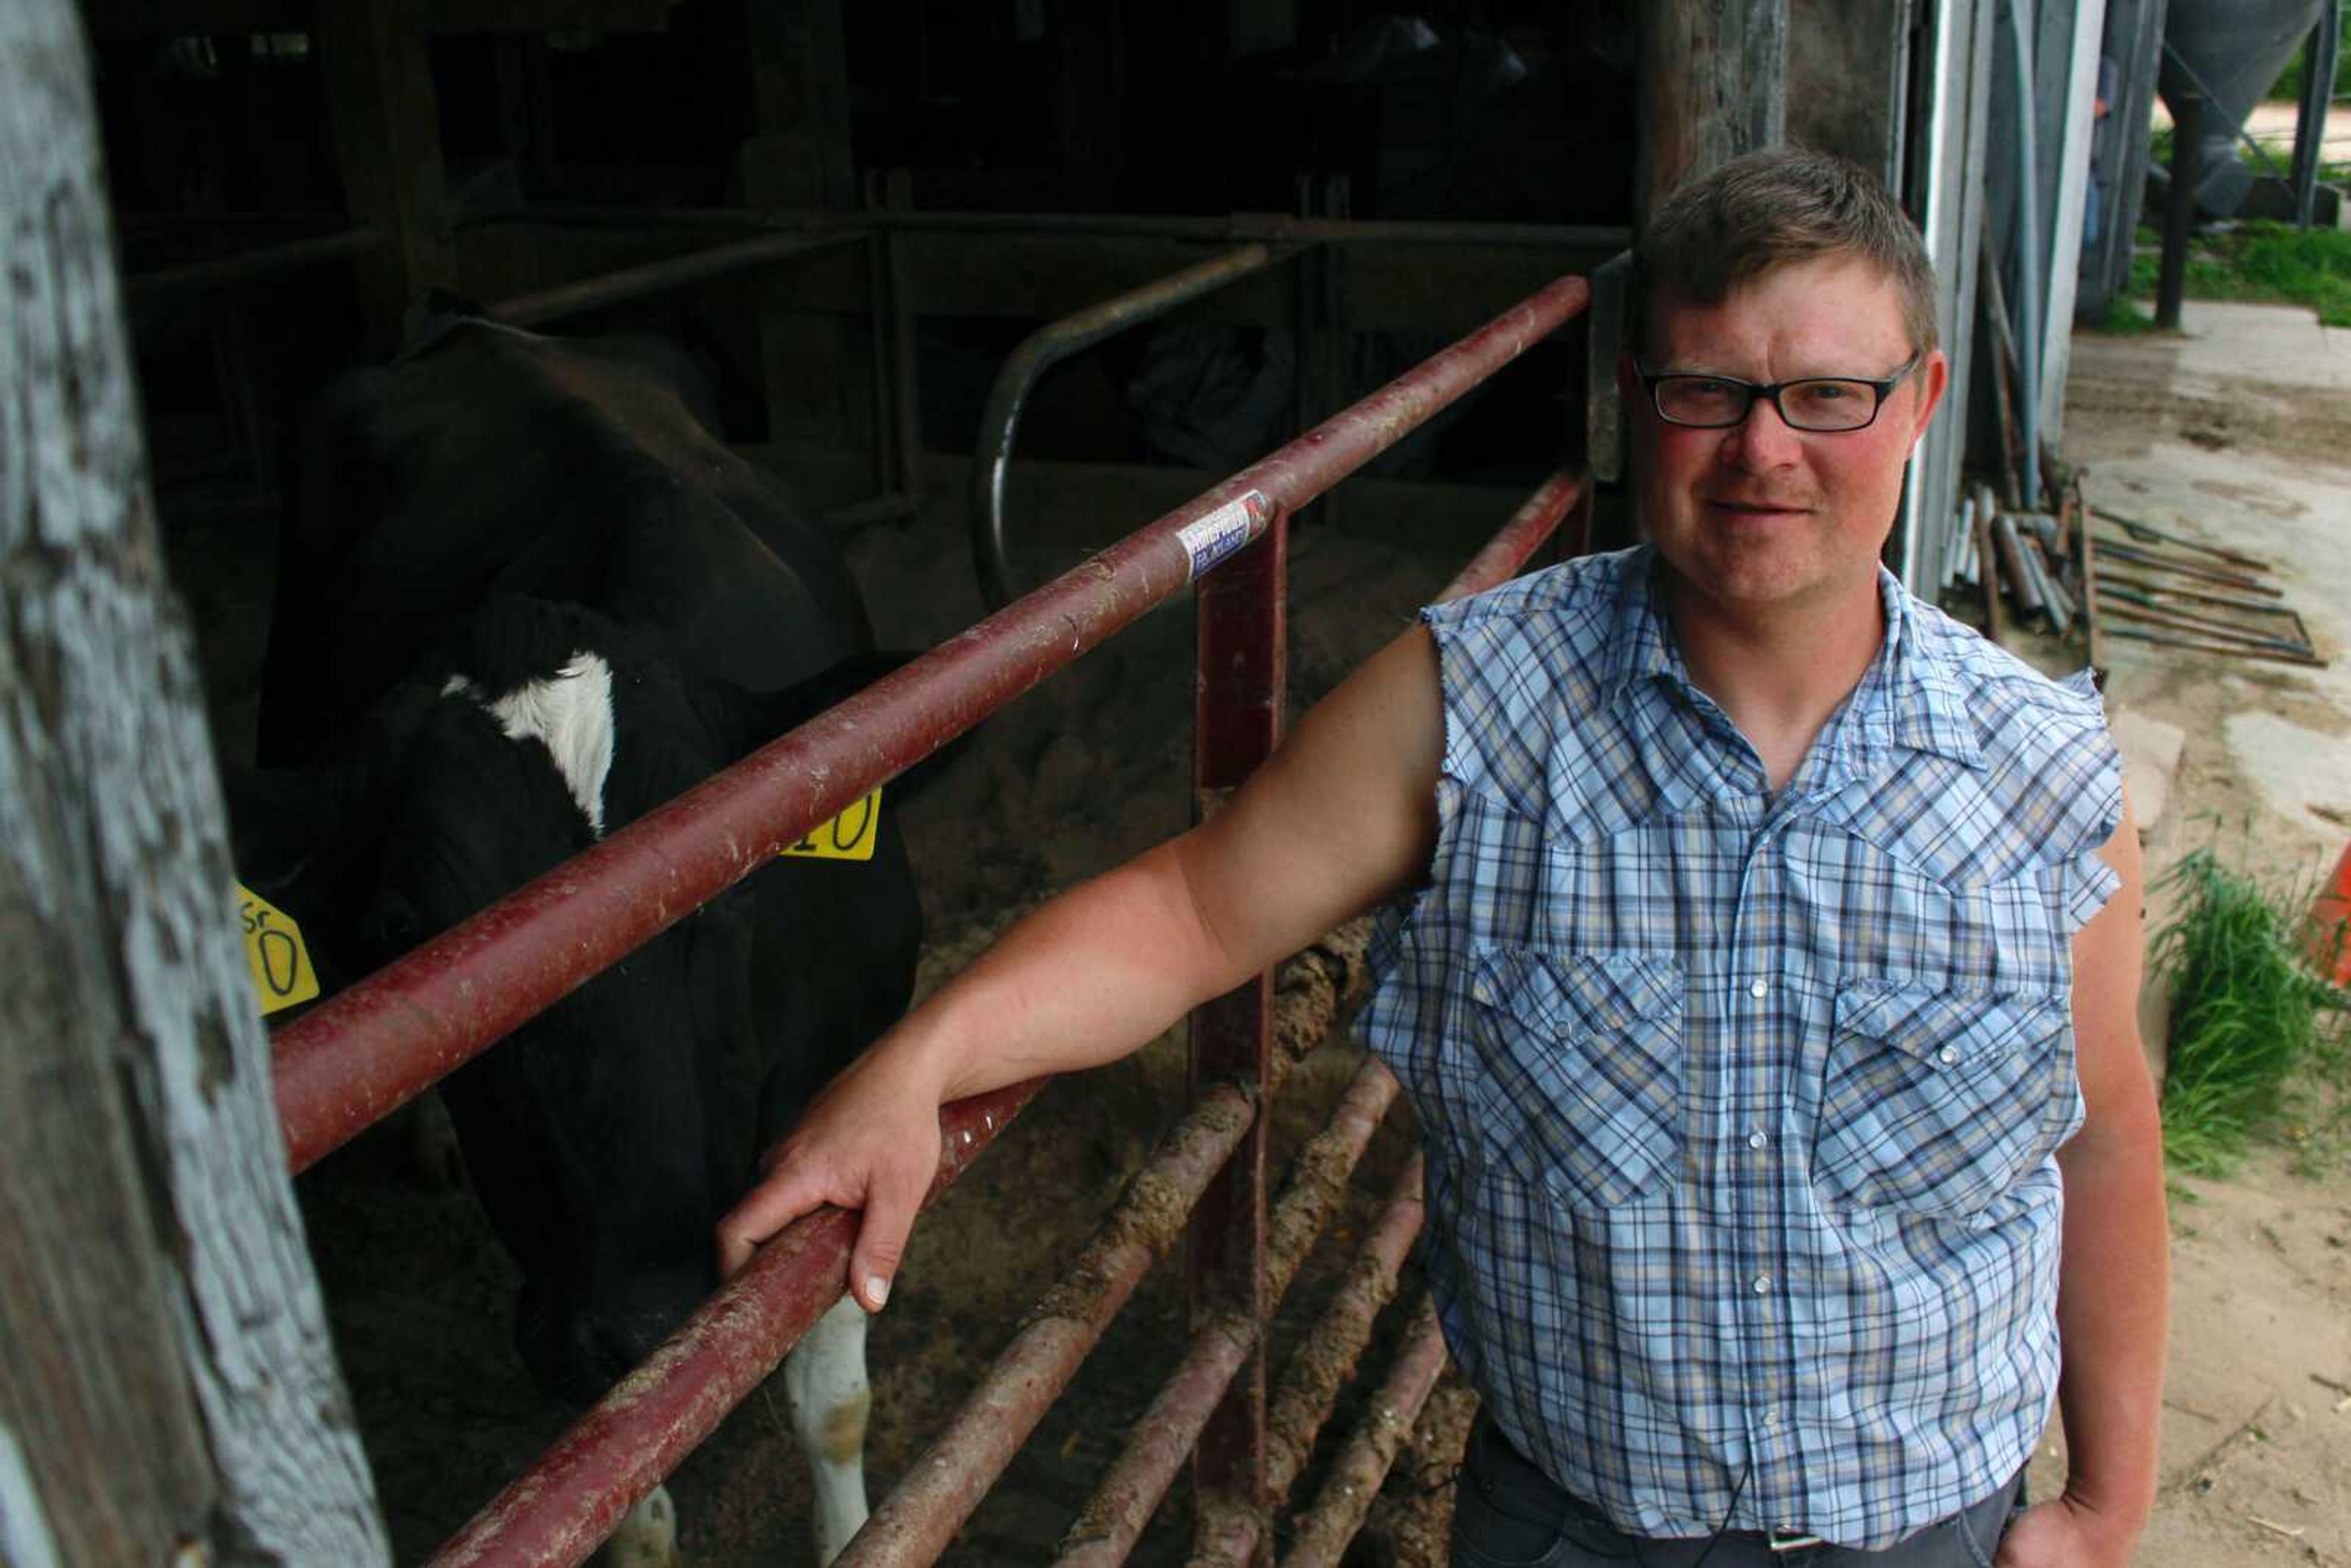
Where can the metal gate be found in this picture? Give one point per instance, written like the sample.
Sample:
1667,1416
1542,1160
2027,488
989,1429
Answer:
382,1042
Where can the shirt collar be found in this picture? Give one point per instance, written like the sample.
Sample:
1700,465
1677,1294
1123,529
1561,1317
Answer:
1906,697
1919,702
1641,645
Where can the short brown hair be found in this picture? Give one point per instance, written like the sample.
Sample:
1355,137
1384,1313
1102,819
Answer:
1770,208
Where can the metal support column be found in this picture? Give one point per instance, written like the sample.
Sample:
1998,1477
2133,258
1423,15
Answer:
2180,208
1243,672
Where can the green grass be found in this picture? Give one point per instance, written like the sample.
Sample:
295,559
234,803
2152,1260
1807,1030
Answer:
2124,317
2259,260
2259,1047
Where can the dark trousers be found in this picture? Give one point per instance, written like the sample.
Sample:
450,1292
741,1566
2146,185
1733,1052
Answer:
1509,1514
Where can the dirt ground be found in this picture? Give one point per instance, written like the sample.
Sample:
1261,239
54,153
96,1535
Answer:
2246,445
2237,432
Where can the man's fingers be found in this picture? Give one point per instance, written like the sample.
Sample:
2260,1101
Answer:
891,1204
765,1209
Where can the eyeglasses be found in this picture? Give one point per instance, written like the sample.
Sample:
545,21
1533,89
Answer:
1815,402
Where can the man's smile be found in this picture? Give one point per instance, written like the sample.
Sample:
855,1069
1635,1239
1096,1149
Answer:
1758,510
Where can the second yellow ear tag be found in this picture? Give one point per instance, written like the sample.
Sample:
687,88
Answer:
848,837
282,975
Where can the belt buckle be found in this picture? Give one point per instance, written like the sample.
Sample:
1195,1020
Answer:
1791,1540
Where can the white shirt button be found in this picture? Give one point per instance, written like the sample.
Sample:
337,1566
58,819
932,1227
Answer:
1861,1216
1947,1055
1756,1140
1771,1420
1758,990
1762,1283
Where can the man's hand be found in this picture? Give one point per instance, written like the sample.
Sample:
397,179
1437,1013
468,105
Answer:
1341,817
870,1141
2064,1533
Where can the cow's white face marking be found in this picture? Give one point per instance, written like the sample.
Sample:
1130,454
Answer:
571,716
825,1379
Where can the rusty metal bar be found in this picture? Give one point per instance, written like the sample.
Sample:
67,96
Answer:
1319,1366
1537,519
2093,633
1113,1519
2148,533
917,1521
1048,346
558,1511
1601,239
2201,645
675,272
1228,1232
2157,560
1242,675
384,1041
1363,1465
252,265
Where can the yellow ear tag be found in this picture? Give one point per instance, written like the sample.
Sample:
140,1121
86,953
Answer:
282,975
848,837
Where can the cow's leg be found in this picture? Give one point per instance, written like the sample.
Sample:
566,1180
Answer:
646,1536
825,1379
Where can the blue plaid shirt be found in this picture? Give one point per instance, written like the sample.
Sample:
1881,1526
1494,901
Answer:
1740,1110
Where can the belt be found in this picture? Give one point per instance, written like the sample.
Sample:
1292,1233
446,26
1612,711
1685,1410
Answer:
1789,1540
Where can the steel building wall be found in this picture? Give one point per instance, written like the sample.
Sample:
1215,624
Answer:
1944,193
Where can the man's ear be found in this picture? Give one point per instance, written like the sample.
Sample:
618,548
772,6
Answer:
1628,379
1934,376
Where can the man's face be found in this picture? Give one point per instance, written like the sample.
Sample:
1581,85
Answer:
1758,515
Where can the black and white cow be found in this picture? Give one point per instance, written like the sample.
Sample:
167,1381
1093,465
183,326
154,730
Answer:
528,595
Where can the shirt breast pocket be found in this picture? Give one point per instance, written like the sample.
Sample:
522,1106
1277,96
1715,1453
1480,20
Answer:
1578,1070
1935,1101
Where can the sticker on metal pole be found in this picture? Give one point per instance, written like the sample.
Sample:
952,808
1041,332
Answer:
1209,539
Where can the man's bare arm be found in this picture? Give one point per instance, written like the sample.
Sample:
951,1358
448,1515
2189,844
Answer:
1341,817
2114,1280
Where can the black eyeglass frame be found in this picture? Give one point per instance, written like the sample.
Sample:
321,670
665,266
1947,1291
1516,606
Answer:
1882,387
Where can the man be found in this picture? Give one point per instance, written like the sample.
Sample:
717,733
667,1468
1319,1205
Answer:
1769,969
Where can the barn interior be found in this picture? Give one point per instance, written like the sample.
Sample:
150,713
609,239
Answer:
935,183
874,224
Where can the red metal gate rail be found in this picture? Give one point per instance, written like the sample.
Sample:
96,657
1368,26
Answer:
384,1041
1361,1466
1113,1522
386,1038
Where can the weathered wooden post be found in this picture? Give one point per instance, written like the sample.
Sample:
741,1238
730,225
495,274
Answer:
1714,84
167,1391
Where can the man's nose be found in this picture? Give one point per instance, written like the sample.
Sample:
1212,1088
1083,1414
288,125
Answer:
1764,439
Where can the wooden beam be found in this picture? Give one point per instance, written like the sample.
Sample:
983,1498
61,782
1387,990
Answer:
544,15
168,1393
1713,85
378,72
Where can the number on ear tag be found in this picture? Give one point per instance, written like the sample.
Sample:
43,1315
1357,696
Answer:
848,837
282,975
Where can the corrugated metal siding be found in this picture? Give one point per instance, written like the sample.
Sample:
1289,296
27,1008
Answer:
1944,193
